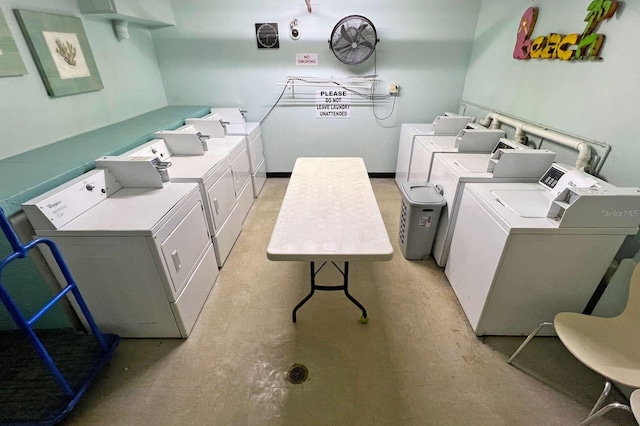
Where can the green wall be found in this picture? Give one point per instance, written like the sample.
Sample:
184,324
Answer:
210,57
596,100
128,69
29,118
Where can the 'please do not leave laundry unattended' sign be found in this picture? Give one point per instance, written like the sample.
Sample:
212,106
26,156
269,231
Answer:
333,104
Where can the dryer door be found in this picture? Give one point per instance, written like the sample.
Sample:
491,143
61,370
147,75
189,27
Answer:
184,246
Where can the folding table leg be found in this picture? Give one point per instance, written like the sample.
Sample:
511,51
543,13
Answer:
345,287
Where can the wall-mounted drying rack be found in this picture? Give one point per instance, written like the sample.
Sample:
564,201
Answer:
362,88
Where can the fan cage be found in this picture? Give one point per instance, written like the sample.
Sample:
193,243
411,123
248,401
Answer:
365,40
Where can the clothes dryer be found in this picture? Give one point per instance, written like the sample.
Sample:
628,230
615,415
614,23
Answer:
451,172
447,124
231,122
141,256
220,168
476,139
523,252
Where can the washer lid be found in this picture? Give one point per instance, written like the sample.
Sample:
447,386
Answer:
473,164
529,202
418,193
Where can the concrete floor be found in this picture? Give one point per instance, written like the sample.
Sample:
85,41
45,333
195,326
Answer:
417,361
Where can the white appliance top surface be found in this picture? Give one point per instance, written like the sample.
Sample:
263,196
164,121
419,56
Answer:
224,145
438,143
470,168
131,209
329,212
504,214
194,167
526,203
242,128
468,163
505,202
418,128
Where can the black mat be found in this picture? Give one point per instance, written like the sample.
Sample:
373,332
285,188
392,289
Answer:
28,392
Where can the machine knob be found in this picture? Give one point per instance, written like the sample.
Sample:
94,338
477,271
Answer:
153,150
89,187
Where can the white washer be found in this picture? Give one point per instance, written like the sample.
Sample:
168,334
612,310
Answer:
141,256
448,124
450,173
521,254
234,124
474,139
220,167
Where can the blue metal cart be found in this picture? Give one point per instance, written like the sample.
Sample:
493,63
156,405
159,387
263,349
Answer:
43,373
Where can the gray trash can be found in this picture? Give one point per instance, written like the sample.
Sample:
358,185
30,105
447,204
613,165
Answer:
419,215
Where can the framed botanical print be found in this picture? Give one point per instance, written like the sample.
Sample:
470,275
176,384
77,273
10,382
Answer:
61,51
10,61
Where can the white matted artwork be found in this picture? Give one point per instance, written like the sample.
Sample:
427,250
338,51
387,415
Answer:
60,48
67,54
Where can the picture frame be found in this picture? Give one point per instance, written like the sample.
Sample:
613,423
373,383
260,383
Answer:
61,51
10,61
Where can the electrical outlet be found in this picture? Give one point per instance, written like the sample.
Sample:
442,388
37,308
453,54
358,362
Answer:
394,88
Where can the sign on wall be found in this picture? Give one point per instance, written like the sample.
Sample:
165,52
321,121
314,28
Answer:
333,104
306,59
585,46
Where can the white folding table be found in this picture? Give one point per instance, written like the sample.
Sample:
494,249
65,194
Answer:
329,214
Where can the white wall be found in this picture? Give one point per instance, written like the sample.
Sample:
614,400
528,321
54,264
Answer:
29,118
596,100
210,57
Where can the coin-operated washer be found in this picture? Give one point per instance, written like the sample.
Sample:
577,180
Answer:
509,162
523,252
220,167
231,122
475,139
138,247
447,124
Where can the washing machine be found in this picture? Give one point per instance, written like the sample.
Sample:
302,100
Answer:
448,124
231,121
523,252
138,248
220,168
451,172
475,139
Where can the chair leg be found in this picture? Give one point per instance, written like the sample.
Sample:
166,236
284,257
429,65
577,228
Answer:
527,340
603,396
604,410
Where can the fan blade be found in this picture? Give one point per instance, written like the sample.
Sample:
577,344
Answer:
345,34
359,31
365,43
343,48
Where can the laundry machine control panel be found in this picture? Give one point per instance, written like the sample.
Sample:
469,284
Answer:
552,176
54,209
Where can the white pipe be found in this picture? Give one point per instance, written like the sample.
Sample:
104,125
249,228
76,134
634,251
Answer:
522,127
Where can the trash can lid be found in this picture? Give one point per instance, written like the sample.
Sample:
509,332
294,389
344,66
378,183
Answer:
422,193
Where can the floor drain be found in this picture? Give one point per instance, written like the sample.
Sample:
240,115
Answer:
297,374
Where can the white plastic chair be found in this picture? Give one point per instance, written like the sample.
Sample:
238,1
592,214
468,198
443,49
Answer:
609,346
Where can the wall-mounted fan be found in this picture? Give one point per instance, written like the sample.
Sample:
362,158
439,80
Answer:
353,39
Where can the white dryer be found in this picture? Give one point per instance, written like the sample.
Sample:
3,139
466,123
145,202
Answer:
447,124
523,252
141,256
450,173
220,167
474,139
231,121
